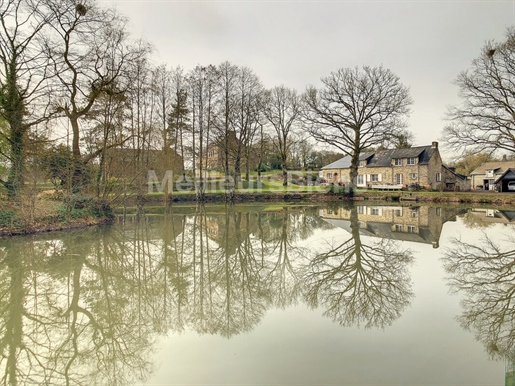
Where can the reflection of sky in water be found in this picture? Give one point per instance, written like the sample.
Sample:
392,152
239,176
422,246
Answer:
425,346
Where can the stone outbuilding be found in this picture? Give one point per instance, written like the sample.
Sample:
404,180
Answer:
419,166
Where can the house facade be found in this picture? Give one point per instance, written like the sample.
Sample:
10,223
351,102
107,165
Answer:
420,224
489,175
419,166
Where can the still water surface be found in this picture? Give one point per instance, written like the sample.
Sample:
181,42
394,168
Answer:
270,295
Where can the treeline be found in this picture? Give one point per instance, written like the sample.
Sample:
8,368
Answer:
75,86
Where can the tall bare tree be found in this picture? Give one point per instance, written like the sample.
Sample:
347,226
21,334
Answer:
282,110
90,51
23,81
202,82
485,120
357,109
246,114
228,73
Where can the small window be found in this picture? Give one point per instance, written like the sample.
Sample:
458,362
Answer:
438,211
411,161
413,214
412,229
438,177
398,212
413,176
397,161
398,228
329,175
361,209
362,163
374,177
375,211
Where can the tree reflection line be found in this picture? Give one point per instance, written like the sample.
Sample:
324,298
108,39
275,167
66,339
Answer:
101,297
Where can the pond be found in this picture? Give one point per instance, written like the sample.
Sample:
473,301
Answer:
349,294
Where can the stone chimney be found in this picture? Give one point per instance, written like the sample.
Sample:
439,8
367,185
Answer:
434,145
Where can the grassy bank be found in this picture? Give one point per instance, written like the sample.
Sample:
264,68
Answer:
45,214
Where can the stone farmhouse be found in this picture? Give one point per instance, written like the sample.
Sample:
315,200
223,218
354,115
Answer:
419,166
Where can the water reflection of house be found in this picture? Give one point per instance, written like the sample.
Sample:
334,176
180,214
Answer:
420,224
493,216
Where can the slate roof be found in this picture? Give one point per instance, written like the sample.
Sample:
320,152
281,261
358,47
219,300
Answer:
342,163
384,157
460,176
499,167
510,173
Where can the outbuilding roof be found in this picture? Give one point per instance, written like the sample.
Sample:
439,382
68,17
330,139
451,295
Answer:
499,167
385,157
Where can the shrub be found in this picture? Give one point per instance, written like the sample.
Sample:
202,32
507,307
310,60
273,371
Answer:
9,218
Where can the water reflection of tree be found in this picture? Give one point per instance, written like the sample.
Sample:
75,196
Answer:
485,273
85,307
360,283
71,313
280,233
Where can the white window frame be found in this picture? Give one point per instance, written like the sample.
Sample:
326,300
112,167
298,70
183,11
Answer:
360,180
438,177
411,161
413,176
397,161
329,175
374,177
399,179
412,229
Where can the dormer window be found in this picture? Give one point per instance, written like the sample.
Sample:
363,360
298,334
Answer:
397,161
411,161
362,163
490,173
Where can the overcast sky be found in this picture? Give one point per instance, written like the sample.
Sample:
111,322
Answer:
295,43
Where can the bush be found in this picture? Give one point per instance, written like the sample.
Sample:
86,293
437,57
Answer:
76,206
9,218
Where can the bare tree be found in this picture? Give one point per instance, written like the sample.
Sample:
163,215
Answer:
484,272
357,109
23,81
246,119
202,81
227,78
90,52
282,110
485,121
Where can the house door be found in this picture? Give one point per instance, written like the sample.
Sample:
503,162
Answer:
398,179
